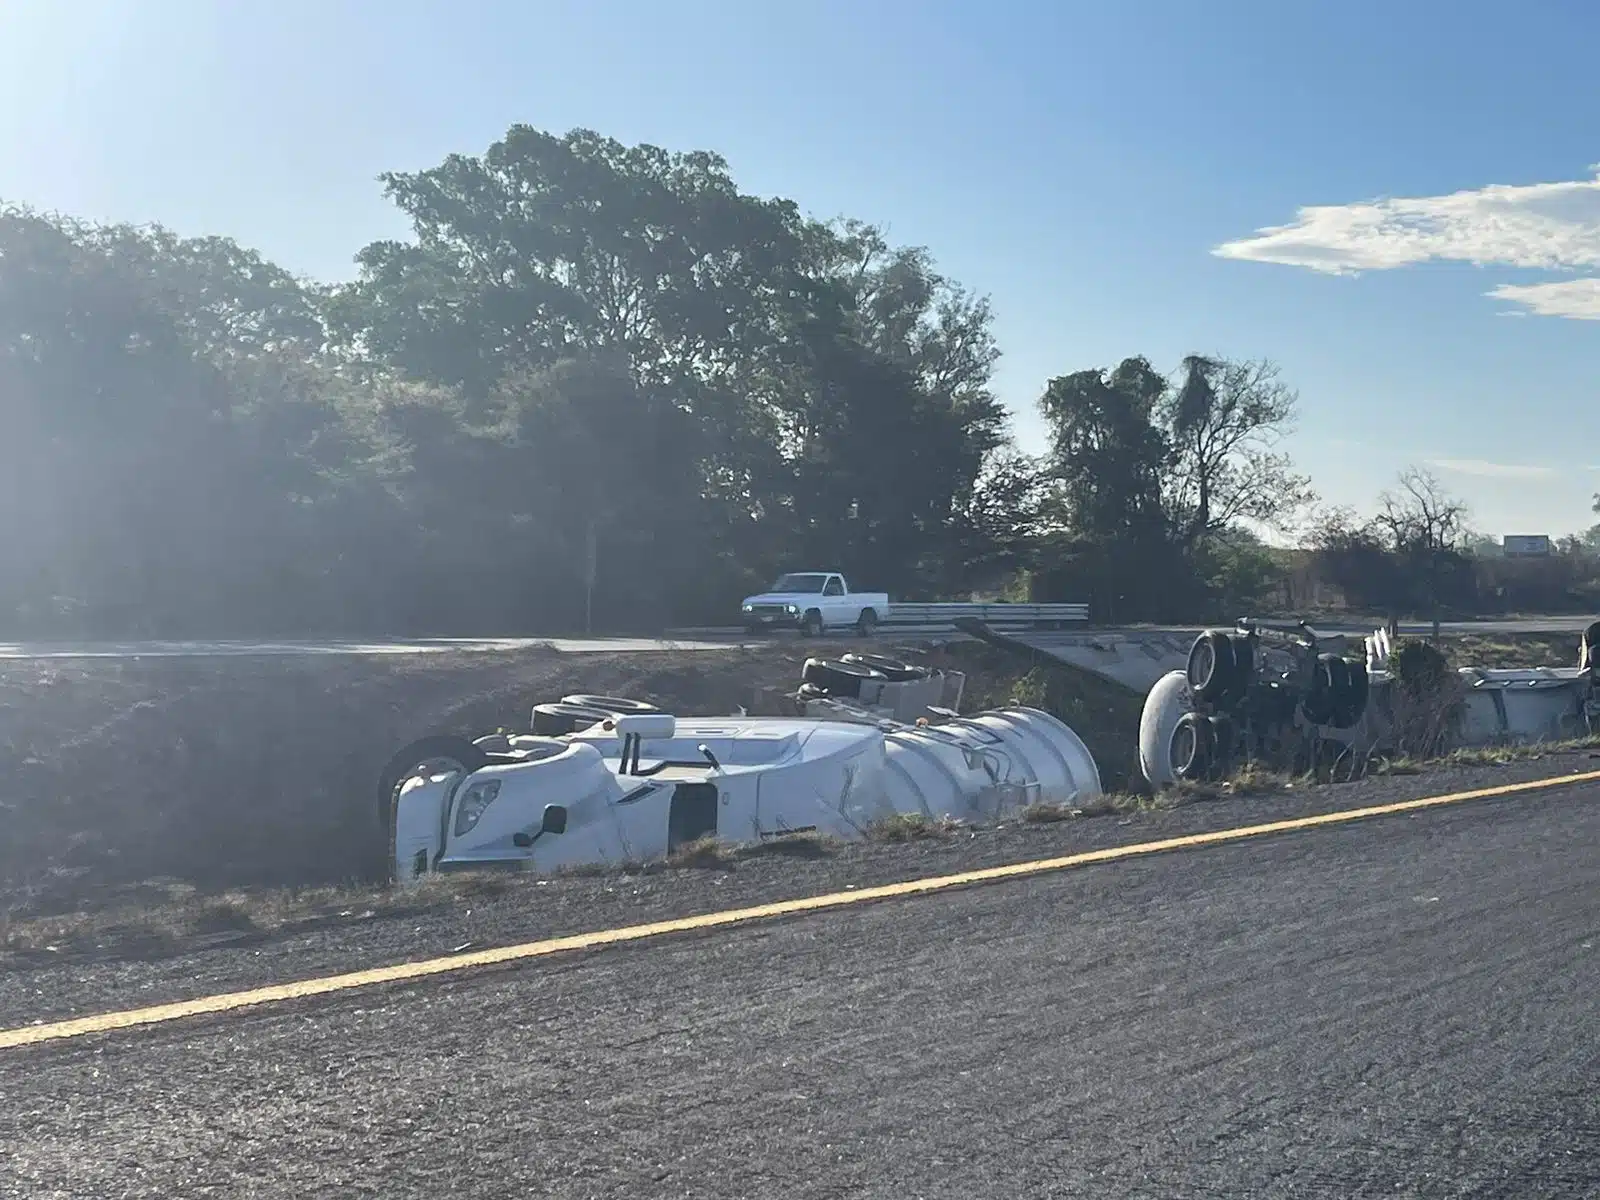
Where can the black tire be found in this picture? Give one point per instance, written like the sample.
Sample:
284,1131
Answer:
1221,742
1339,687
891,669
1244,664
811,624
1589,648
1319,703
1350,689
553,720
1191,747
1210,667
399,768
619,705
838,677
867,623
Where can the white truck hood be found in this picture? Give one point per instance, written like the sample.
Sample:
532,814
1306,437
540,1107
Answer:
784,598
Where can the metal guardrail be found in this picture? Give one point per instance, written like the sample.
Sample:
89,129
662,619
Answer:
941,618
990,614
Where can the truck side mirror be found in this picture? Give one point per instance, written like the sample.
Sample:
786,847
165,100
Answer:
554,820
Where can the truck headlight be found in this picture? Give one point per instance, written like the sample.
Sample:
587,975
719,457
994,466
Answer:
473,802
747,608
792,609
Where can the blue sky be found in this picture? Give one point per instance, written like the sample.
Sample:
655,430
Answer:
1081,164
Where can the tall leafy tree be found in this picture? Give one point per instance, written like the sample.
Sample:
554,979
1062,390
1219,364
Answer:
1225,422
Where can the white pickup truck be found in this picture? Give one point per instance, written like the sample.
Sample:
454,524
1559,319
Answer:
813,601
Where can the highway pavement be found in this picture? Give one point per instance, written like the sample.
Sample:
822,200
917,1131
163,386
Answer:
678,640
1407,1006
374,648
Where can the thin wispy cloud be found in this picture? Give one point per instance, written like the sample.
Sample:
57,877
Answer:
1578,299
1485,469
1539,226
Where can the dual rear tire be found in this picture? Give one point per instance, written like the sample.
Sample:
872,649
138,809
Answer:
1201,746
1220,665
1339,691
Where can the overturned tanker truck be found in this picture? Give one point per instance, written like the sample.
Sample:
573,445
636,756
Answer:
1281,694
613,780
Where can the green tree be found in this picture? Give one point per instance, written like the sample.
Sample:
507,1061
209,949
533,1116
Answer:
1225,423
550,247
838,388
1107,456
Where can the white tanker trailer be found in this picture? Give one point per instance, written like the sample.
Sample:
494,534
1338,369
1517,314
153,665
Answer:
635,784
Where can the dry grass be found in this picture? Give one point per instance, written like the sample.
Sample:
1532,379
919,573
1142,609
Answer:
709,851
1511,650
1475,756
163,918
914,827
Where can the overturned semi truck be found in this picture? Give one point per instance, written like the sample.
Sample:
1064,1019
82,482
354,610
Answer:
601,779
1281,694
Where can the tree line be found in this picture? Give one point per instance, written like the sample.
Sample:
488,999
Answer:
598,385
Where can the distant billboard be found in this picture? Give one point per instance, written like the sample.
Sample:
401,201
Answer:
1526,545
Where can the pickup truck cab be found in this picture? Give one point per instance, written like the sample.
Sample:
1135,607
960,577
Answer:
814,601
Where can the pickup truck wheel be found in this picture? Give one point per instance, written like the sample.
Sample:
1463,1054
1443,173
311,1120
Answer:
811,624
838,677
867,623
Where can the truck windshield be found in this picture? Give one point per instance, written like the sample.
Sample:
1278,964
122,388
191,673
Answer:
799,583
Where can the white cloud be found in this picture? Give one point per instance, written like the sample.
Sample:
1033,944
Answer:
1578,299
1543,226
1492,470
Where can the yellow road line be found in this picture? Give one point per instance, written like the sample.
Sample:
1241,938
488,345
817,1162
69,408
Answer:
403,972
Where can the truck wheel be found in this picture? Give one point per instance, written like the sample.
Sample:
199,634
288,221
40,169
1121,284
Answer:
1350,685
1320,701
838,677
619,705
1221,740
891,669
1211,665
1191,747
811,624
1589,649
867,623
1244,664
441,752
553,720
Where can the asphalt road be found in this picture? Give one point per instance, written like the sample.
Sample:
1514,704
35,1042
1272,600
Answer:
342,648
1408,1006
685,640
